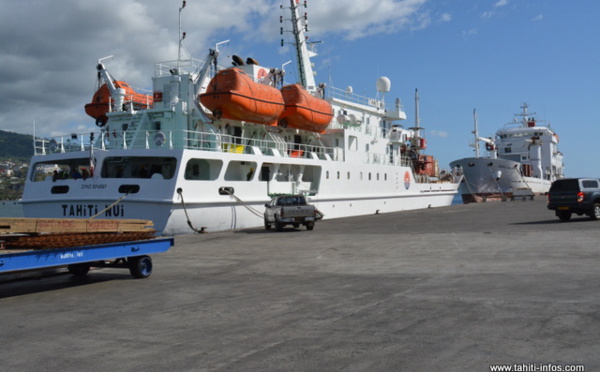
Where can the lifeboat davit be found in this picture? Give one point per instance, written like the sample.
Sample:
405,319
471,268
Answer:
102,99
232,94
304,111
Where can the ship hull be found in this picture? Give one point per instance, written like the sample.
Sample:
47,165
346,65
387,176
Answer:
177,203
486,179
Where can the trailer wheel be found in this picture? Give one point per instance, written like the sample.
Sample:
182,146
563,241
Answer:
310,226
80,269
140,267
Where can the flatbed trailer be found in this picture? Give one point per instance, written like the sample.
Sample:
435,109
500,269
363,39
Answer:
132,255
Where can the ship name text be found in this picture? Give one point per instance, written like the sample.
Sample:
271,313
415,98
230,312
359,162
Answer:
89,210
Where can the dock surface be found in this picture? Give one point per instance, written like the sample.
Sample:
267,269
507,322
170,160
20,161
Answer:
457,288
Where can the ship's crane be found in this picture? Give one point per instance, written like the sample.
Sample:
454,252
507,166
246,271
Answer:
113,95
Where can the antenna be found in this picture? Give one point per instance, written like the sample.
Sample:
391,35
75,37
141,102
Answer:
181,37
299,27
417,120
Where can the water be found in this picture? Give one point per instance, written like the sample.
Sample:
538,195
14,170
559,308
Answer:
10,208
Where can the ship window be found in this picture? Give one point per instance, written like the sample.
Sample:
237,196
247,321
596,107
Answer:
327,174
63,189
129,189
348,175
361,176
377,176
369,176
203,169
61,169
338,175
139,167
240,171
385,177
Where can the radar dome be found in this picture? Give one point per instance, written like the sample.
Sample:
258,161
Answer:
383,84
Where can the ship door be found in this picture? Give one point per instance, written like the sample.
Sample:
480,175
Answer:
297,142
237,134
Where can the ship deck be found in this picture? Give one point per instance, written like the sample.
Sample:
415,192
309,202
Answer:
452,288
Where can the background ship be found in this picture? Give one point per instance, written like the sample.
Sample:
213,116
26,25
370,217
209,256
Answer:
523,160
210,144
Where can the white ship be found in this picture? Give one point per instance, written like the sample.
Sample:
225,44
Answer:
523,160
208,147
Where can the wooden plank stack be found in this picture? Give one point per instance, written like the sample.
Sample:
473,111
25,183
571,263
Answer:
48,233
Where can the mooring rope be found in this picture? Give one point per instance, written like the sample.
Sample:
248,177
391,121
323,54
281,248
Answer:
244,204
109,207
497,184
468,186
180,192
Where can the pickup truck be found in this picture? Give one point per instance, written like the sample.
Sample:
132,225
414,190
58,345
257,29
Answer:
575,195
290,210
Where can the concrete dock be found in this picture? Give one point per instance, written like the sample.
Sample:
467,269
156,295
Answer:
457,288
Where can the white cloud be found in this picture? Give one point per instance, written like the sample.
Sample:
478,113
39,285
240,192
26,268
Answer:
438,133
49,49
446,17
501,3
538,17
470,32
360,18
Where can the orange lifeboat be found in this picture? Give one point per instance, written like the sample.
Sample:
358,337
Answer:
232,94
304,111
102,99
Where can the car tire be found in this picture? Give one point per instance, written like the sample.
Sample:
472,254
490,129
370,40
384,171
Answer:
267,225
595,213
278,226
564,216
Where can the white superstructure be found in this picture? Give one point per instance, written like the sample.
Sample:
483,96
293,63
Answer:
523,160
165,156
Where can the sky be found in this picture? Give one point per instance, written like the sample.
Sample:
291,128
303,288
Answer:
461,55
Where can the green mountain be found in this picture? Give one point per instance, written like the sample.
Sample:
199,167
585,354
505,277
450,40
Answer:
15,145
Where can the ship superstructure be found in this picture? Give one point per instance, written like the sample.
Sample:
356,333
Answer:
210,144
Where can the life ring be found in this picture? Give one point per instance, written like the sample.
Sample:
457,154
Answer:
489,147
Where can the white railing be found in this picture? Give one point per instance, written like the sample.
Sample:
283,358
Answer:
191,140
345,95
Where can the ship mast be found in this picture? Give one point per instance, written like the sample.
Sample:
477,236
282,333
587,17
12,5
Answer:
417,120
299,27
476,133
181,37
